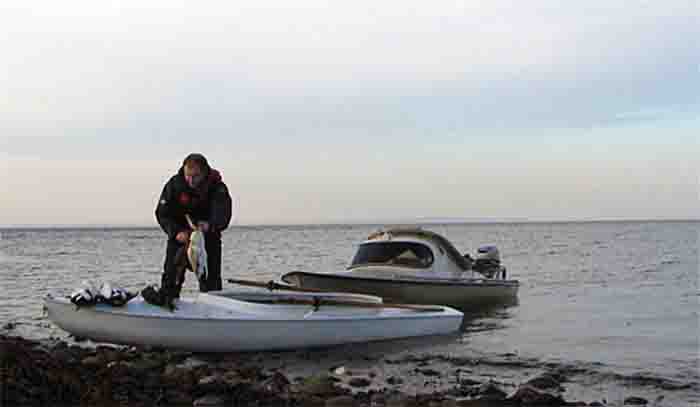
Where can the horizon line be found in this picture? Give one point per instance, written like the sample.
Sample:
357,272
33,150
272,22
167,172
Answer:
438,221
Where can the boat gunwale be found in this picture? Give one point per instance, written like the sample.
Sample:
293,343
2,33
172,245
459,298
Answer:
427,281
402,313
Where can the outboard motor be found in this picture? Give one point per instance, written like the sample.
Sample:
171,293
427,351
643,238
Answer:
488,261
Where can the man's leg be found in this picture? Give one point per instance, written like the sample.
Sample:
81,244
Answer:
213,247
169,281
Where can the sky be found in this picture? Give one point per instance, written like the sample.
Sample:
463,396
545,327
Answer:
352,112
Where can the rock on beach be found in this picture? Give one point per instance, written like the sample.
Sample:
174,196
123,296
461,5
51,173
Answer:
58,373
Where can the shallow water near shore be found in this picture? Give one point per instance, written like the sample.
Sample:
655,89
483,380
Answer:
620,299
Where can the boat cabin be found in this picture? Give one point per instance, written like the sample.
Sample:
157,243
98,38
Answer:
413,249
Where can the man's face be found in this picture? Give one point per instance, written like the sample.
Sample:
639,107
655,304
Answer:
193,175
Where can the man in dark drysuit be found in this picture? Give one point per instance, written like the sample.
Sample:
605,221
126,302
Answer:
198,191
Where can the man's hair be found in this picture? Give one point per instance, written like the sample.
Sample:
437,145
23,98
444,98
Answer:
196,159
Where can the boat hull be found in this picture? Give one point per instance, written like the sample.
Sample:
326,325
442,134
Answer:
218,324
459,293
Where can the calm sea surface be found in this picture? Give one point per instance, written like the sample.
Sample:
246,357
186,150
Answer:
622,295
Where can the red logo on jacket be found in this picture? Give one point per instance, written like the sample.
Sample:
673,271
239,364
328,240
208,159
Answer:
185,199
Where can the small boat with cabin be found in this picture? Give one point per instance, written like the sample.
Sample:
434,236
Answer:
417,266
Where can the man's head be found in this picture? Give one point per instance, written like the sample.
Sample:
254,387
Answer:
196,169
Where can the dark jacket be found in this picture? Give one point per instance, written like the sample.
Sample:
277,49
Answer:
211,202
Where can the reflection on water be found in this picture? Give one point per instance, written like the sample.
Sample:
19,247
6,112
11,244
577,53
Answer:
486,318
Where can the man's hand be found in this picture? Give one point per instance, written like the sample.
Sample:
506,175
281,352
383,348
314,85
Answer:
183,236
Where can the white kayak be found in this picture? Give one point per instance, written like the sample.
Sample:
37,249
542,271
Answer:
236,321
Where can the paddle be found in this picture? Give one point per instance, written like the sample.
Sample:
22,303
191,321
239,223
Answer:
272,285
317,301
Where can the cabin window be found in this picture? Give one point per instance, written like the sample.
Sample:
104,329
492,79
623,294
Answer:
394,253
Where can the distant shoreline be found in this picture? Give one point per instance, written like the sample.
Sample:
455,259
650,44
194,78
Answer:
367,223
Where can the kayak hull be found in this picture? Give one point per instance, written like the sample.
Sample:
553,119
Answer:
217,323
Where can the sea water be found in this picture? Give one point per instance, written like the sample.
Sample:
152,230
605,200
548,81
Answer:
623,296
